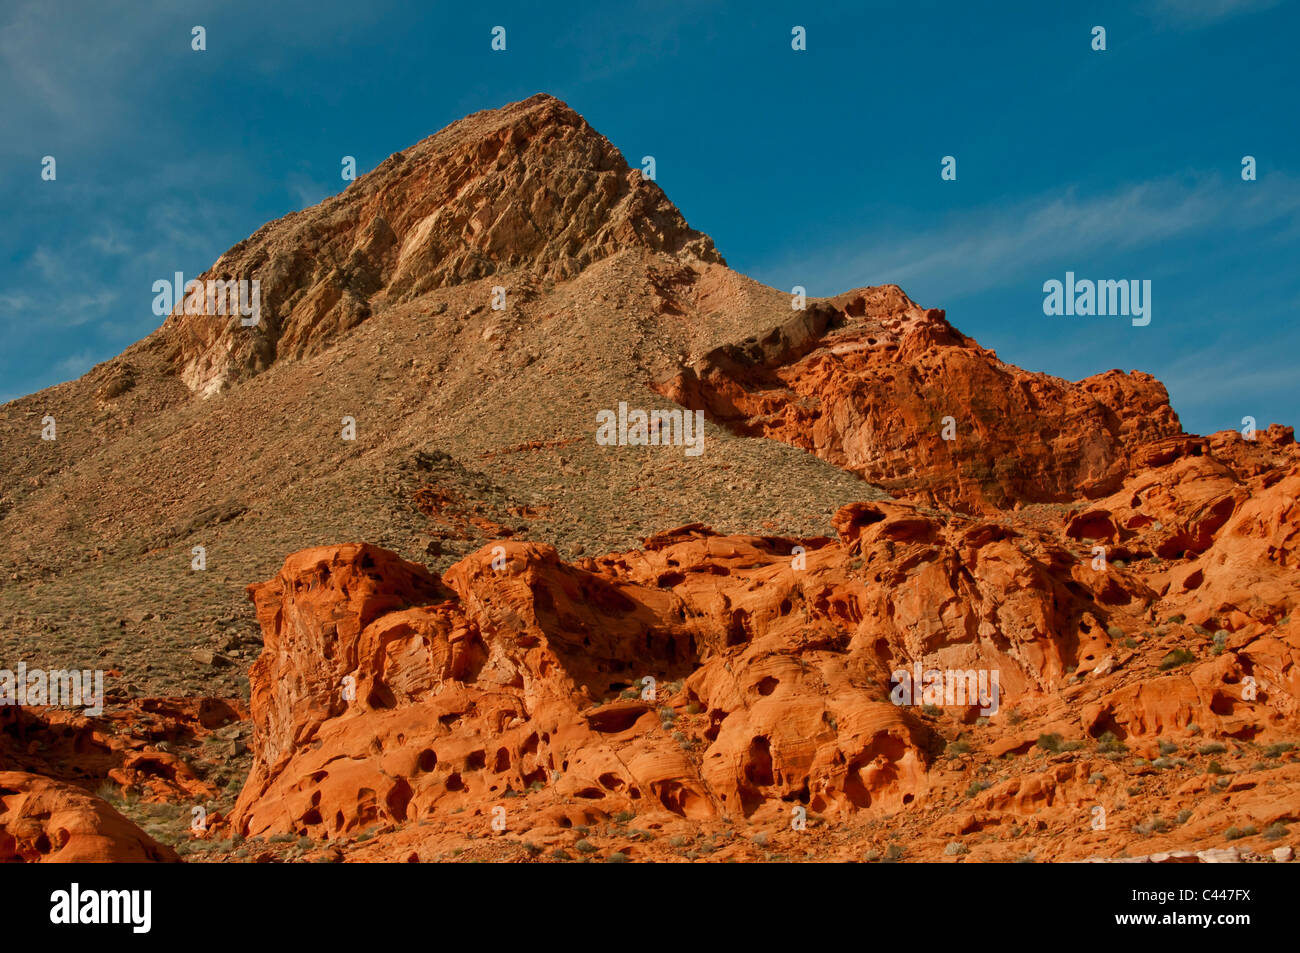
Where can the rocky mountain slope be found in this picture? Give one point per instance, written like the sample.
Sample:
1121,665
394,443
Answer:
487,634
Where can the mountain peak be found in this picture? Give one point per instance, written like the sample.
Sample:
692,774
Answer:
527,190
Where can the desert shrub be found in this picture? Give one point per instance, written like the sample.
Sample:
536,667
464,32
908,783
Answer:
1176,658
1156,825
1108,743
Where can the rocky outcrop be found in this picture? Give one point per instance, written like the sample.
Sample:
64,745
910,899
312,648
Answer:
495,687
132,747
875,384
47,821
707,677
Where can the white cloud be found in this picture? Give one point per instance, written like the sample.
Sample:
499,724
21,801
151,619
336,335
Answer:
109,242
57,62
994,245
74,365
307,192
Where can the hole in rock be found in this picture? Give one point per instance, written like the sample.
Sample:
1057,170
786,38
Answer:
398,799
758,762
614,719
381,696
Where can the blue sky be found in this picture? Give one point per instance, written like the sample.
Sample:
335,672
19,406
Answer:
817,168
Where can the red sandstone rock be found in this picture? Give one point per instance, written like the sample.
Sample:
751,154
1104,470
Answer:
46,821
867,381
124,747
483,688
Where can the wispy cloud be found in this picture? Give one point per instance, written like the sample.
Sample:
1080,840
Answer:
306,192
57,295
1205,12
1243,376
994,245
57,61
74,365
109,242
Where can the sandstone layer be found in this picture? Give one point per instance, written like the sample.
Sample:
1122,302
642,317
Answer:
891,391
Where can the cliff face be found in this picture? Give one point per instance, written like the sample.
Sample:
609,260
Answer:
877,385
